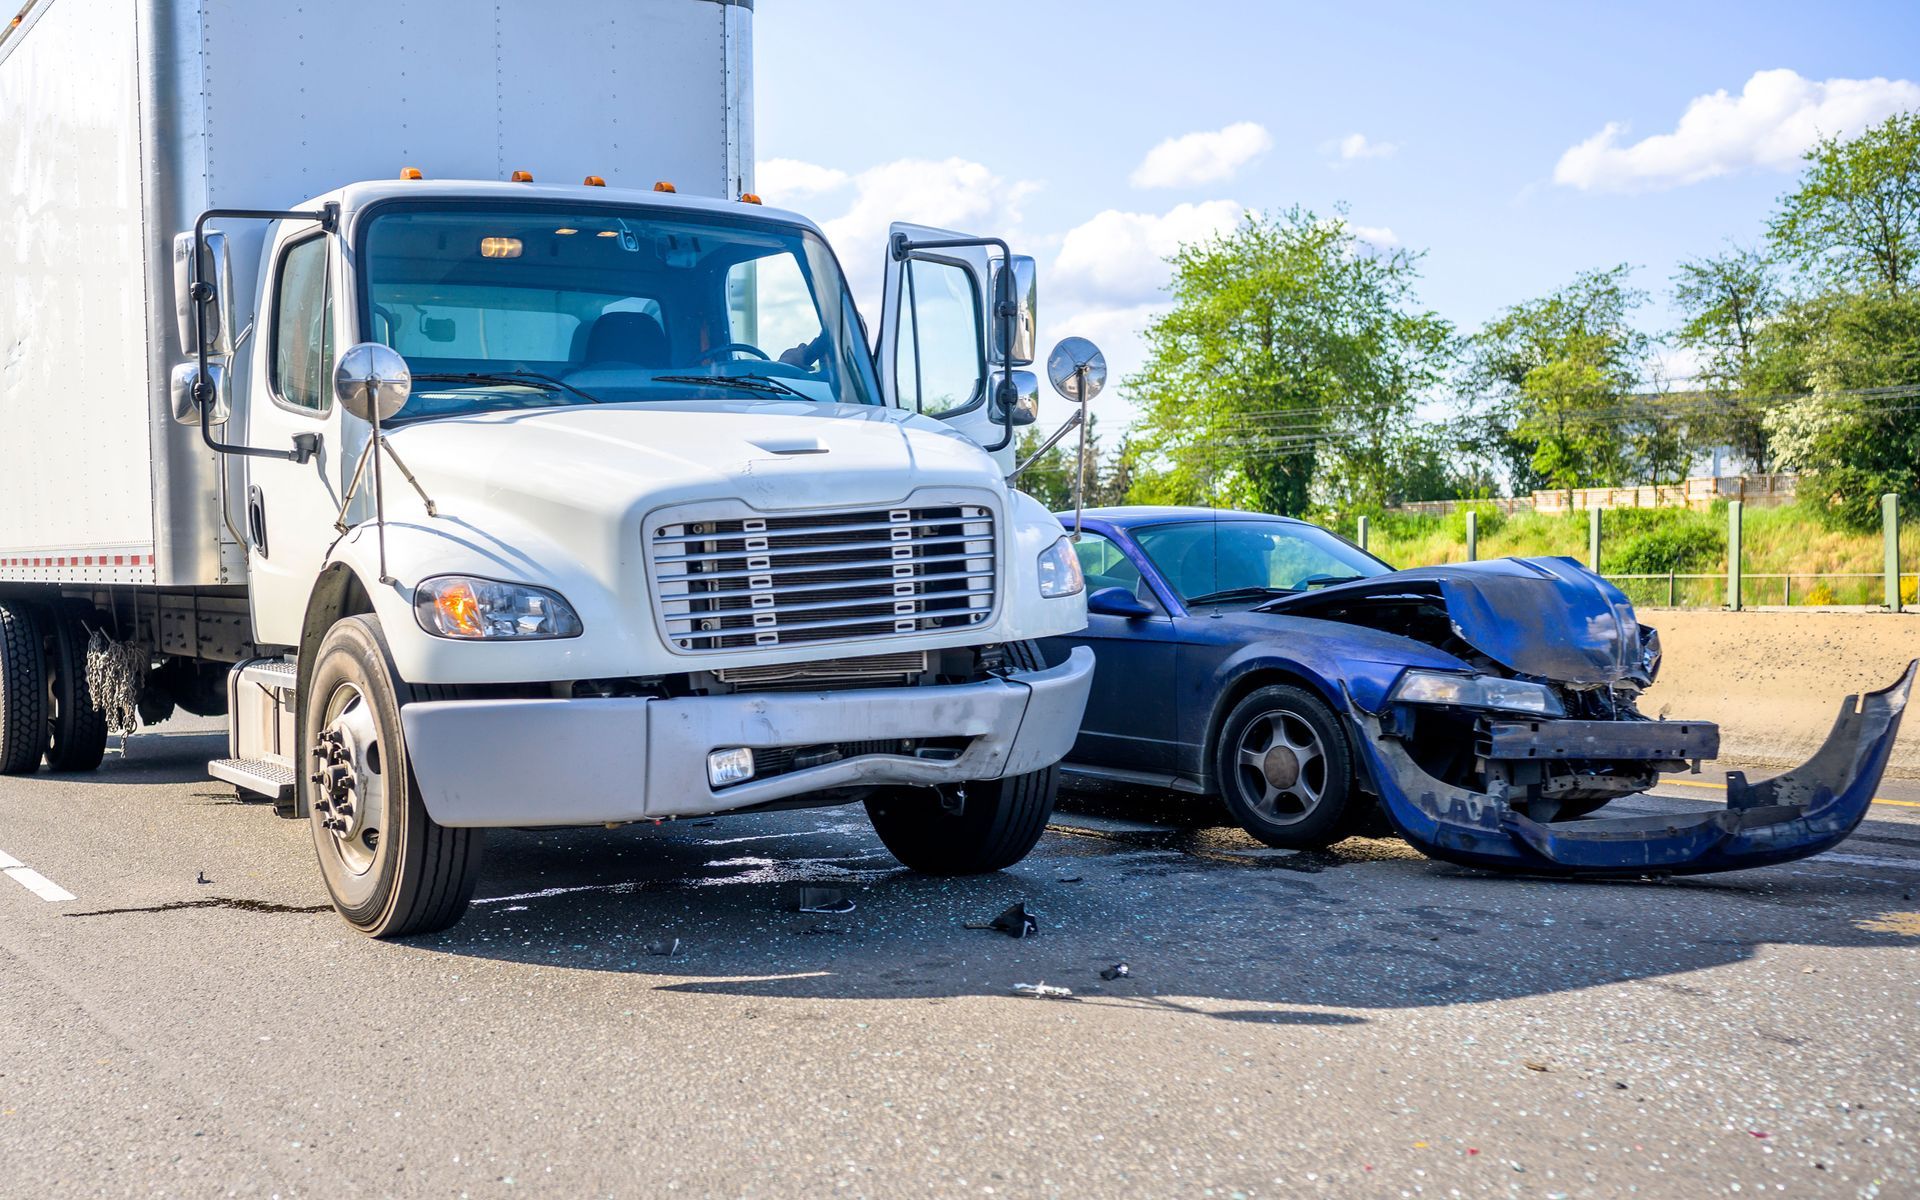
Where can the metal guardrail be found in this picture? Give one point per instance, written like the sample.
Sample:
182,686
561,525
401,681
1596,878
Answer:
1794,589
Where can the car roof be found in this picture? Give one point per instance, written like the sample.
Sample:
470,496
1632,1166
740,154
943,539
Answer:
1130,516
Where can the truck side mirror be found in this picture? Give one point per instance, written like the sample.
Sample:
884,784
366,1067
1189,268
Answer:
216,269
185,410
372,382
1025,293
1024,388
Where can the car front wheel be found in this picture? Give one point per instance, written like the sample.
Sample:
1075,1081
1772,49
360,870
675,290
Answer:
1284,768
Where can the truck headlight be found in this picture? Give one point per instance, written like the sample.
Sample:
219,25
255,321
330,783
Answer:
1478,691
1060,570
461,606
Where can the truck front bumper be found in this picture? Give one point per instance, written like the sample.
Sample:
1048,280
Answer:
594,761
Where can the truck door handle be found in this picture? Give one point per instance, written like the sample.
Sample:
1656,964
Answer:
257,519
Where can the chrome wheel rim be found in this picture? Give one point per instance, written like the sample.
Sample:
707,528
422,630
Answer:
1281,766
348,774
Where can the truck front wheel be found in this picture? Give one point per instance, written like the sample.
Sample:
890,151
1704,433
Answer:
390,869
993,826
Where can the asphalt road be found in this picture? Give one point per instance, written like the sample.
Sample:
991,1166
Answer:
1362,1022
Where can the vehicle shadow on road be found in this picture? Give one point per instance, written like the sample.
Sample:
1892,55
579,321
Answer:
1206,920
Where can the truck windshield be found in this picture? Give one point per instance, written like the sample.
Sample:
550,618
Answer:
537,306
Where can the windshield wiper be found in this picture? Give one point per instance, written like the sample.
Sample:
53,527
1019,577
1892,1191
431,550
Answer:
1229,595
1319,581
509,377
764,384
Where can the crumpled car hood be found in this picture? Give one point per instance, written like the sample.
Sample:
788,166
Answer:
1549,618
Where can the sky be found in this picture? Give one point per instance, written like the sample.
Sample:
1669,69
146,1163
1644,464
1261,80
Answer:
1513,145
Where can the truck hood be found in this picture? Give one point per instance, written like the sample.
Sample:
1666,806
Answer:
1549,618
770,454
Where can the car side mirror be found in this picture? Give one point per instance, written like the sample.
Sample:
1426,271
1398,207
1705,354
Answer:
1118,602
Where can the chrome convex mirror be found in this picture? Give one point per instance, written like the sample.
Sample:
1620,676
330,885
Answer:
1024,329
1077,369
372,382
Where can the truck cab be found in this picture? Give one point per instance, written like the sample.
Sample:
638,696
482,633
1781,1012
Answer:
484,502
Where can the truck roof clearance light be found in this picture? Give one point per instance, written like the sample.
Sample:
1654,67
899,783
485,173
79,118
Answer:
593,181
411,173
664,186
564,232
522,177
608,233
500,247
749,198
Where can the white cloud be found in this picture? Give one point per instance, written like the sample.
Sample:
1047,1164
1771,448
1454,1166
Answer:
1776,116
950,193
783,180
1119,258
1357,146
1379,237
1202,157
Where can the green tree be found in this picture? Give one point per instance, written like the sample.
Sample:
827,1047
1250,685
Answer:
1854,219
1728,299
1551,385
1292,351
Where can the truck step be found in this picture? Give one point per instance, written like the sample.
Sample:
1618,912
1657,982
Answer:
270,779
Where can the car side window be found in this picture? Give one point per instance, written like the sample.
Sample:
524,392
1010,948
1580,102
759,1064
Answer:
302,334
939,359
1106,565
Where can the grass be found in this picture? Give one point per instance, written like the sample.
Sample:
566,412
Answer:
1776,542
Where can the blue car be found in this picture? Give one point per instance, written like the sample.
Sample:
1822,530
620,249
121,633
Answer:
1484,710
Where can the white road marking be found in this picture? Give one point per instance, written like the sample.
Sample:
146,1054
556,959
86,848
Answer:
32,880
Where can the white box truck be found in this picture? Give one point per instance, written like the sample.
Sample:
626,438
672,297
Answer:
422,386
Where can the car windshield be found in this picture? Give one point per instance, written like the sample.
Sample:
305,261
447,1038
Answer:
1235,560
537,305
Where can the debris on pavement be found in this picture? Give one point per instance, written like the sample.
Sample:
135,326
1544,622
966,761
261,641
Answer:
1530,1065
1118,970
1082,879
1016,922
830,901
665,949
1042,991
201,877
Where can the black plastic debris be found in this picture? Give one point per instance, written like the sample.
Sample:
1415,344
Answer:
825,900
1116,971
1073,879
1016,922
667,949
201,877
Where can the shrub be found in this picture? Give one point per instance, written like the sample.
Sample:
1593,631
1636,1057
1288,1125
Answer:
1682,547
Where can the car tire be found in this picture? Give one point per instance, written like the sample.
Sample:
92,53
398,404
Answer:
78,724
999,820
23,689
1283,766
412,875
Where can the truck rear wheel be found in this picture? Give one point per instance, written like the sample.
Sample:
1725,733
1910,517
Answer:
79,723
997,823
23,689
391,870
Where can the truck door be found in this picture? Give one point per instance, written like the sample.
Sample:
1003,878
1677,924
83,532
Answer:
288,508
935,323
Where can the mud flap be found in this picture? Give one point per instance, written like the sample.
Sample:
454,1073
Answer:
1802,812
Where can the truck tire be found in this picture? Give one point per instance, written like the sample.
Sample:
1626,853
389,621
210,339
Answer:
1285,769
23,689
999,821
78,723
391,870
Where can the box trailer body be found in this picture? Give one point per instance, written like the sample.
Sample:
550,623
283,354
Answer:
125,119
424,388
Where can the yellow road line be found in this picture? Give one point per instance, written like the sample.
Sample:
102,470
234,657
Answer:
1721,787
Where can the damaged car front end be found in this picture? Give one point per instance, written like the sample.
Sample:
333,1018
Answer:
1499,763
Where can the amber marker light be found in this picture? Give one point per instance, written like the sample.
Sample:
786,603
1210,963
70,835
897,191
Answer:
459,610
411,173
522,177
749,198
499,247
593,181
664,186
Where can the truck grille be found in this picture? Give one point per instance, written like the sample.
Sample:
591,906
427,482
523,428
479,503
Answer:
751,581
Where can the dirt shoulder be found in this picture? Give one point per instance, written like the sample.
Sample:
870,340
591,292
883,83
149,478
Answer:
1774,680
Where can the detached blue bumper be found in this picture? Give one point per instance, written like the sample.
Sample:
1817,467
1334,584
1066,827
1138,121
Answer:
1800,813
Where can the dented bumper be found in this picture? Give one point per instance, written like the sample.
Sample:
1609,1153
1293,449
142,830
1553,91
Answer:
1799,813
